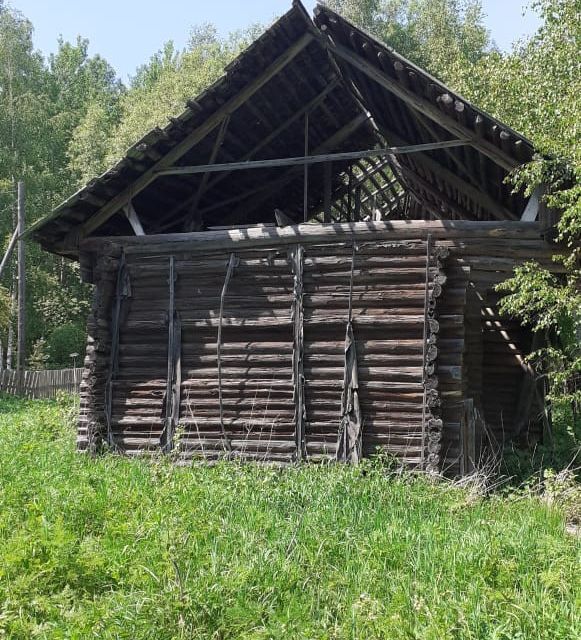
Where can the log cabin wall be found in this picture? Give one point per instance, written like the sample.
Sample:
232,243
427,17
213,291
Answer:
252,401
234,343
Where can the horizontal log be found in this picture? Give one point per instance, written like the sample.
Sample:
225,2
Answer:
310,233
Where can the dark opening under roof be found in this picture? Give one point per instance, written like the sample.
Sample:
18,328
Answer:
353,93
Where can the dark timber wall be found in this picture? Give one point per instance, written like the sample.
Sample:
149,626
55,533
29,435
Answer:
226,347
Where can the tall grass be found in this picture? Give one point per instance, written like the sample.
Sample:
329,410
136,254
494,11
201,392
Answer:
113,548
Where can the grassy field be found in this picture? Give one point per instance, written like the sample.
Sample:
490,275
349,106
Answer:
111,548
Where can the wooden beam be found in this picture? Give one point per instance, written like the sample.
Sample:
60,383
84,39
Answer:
531,212
315,159
194,137
421,104
336,139
315,233
133,218
308,108
213,155
481,197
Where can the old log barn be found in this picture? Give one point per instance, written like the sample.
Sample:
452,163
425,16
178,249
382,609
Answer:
301,266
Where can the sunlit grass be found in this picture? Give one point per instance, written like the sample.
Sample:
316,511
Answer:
113,548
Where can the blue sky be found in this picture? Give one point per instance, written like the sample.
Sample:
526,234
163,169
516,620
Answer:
127,32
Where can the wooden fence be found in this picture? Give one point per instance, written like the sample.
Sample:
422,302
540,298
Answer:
40,384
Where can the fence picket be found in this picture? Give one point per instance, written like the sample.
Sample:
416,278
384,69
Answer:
41,384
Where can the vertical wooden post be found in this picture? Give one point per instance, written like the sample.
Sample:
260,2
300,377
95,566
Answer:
297,256
21,285
327,179
306,174
357,213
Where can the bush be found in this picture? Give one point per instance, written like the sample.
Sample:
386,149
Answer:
70,338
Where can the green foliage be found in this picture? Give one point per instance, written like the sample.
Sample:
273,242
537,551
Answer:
446,37
5,303
41,104
38,358
117,548
161,88
538,88
62,342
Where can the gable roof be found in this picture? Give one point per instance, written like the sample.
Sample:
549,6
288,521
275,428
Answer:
358,94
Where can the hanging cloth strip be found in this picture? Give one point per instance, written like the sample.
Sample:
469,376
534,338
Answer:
349,443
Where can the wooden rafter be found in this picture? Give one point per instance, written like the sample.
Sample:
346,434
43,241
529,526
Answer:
310,107
276,185
214,154
193,138
421,104
478,196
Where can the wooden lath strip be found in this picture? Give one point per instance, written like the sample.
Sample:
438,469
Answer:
297,254
122,290
232,261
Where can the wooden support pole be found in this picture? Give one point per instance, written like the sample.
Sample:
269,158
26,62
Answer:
21,284
424,349
328,185
306,172
232,262
133,218
121,292
174,379
168,431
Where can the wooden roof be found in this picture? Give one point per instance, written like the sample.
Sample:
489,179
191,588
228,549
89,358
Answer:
358,94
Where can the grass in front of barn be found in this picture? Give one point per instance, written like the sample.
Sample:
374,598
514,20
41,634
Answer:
112,548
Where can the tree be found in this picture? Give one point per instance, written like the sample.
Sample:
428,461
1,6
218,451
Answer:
446,37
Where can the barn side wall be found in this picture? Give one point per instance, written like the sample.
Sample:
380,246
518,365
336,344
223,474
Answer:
206,351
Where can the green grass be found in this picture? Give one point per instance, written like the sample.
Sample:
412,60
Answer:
112,548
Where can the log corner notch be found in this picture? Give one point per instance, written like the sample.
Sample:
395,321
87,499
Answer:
432,427
99,368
